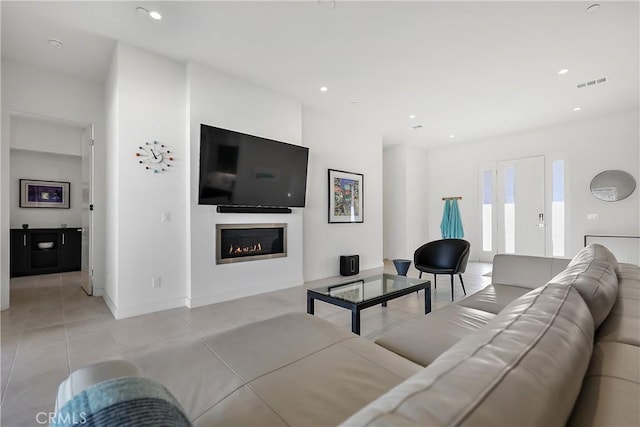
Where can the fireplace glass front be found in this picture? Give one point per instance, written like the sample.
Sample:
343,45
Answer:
250,242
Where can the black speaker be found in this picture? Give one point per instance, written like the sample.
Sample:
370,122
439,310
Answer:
349,265
252,209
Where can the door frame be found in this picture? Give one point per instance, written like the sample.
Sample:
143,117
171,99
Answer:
488,256
5,208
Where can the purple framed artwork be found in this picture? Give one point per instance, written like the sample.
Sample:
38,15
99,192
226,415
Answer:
346,190
44,194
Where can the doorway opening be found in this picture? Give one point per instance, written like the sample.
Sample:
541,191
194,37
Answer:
50,156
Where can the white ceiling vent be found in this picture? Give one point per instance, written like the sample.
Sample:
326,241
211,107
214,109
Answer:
592,82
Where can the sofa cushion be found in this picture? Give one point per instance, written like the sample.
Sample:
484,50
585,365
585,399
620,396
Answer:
594,279
493,298
611,389
595,252
423,340
507,270
292,369
193,374
525,367
622,327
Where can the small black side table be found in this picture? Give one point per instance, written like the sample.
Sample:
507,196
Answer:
402,266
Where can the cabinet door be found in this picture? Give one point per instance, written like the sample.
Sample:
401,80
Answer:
71,249
19,253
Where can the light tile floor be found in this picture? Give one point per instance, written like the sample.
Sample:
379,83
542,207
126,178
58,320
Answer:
53,328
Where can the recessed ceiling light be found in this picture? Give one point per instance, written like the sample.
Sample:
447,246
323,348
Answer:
593,8
452,136
412,116
153,14
327,4
577,108
324,89
563,71
55,43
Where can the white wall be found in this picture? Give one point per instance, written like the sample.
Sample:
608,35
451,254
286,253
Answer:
395,201
111,182
150,99
335,144
27,89
28,133
224,101
26,164
405,200
587,147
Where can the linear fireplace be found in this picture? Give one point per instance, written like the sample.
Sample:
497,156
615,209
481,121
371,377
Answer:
250,242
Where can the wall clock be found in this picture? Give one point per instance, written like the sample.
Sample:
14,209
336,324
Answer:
154,156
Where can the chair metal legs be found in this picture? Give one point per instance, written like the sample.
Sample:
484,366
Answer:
462,283
451,275
435,283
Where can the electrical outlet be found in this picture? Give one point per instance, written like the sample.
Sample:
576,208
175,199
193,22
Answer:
155,282
593,216
166,217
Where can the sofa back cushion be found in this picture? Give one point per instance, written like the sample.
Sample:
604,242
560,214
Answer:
525,271
595,252
525,367
592,272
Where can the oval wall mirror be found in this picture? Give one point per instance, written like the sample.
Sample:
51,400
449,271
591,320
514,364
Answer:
612,185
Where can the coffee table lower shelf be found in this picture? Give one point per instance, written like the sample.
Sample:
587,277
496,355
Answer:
357,307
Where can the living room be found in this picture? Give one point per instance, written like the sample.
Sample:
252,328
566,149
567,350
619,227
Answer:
141,94
336,143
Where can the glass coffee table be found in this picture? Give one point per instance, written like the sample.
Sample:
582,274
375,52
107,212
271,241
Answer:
356,295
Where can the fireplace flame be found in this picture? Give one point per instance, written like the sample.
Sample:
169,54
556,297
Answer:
235,249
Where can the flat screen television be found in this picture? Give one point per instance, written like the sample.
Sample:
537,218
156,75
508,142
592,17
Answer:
237,169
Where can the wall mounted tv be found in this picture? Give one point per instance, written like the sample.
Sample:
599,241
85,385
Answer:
237,169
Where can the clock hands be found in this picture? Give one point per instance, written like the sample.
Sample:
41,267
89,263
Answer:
157,162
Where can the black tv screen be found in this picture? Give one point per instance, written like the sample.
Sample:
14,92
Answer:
237,169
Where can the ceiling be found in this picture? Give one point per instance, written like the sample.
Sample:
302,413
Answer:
470,69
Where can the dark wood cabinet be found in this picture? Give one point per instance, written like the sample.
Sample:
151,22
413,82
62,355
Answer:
45,250
70,249
19,253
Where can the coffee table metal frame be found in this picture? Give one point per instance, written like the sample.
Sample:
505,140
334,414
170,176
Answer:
356,307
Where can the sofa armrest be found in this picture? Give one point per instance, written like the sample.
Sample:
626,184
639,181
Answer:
88,376
525,271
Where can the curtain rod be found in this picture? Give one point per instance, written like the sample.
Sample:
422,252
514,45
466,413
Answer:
452,198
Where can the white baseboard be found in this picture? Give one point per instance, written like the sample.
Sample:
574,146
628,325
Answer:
228,296
124,312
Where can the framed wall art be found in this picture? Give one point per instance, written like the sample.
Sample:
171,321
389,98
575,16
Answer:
346,191
44,194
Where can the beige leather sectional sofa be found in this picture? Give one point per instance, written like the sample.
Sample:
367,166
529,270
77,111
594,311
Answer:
549,342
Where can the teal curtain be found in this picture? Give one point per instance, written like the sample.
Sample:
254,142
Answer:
444,225
451,225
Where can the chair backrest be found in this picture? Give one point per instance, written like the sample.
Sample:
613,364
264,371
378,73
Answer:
444,254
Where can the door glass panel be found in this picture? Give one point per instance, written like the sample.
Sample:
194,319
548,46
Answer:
509,210
487,203
557,208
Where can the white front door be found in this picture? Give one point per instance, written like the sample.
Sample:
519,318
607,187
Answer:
520,209
87,210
